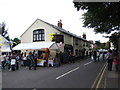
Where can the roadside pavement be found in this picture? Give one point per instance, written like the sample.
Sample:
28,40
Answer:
0,77
0,80
112,79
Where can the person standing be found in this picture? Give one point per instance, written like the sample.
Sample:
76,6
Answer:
30,61
116,62
33,60
90,53
94,55
35,57
73,58
17,61
103,55
13,61
3,61
70,57
21,59
109,59
98,55
65,57
86,53
61,57
57,59
24,59
9,61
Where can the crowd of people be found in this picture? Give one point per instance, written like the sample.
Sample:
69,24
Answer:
13,61
111,56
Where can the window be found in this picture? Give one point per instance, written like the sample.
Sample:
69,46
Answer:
59,38
38,35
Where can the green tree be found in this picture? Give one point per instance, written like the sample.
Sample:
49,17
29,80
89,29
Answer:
16,41
104,17
4,31
107,45
114,39
99,45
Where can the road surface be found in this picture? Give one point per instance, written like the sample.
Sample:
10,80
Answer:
81,74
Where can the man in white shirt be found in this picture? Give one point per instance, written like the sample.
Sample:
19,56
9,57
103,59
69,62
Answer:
98,55
13,61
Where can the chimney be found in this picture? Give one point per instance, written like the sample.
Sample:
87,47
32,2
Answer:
84,35
60,23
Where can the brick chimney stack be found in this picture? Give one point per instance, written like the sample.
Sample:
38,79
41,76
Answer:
60,23
84,35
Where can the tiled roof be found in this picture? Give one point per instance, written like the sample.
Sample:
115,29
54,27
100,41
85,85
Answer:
64,31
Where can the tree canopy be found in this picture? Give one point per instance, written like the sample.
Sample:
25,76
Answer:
104,17
114,38
102,45
4,31
16,41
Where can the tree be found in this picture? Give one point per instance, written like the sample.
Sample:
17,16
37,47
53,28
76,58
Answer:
16,41
104,17
4,31
107,45
99,45
114,39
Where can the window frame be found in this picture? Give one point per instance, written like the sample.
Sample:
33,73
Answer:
38,35
58,38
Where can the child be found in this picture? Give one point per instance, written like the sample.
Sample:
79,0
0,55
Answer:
116,63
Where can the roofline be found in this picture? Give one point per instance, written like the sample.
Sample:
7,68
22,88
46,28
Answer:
69,33
53,26
29,27
33,23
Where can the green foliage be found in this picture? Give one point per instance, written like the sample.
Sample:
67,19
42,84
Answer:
104,17
114,39
99,45
107,45
16,41
4,31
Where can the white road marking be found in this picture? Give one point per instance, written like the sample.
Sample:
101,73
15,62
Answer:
87,63
67,73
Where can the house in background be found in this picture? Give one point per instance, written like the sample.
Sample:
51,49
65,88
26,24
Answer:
41,31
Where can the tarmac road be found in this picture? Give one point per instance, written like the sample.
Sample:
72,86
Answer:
81,74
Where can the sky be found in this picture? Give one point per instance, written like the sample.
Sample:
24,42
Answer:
20,14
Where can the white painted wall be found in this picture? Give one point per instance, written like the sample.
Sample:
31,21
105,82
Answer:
27,37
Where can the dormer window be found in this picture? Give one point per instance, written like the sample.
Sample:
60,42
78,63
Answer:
38,35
